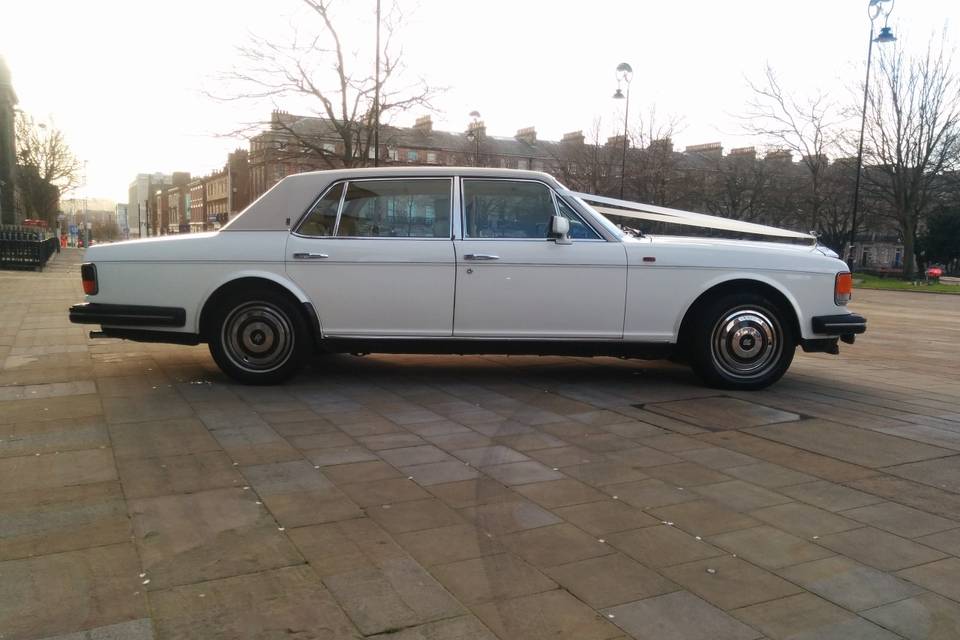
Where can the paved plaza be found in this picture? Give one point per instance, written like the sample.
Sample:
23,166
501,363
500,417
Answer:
143,495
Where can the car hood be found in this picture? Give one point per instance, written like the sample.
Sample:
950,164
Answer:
740,254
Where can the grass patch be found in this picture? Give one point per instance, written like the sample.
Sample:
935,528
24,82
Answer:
864,281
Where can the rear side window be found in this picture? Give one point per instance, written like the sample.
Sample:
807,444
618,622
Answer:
322,218
382,209
396,209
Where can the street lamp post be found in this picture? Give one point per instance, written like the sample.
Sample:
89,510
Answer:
474,136
624,75
874,9
376,98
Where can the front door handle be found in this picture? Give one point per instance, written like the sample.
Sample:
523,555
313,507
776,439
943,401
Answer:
480,256
309,256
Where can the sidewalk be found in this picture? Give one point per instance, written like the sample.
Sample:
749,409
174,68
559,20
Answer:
143,495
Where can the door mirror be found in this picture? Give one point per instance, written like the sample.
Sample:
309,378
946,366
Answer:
559,230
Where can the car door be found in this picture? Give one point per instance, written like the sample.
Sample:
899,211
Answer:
514,282
376,257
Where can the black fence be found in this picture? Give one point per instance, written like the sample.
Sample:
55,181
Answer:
24,248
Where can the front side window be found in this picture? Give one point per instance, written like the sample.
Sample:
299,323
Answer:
382,209
578,229
506,209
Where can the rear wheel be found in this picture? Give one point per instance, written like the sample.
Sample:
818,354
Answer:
742,341
258,337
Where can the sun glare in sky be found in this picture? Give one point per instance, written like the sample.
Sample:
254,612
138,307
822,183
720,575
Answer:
128,82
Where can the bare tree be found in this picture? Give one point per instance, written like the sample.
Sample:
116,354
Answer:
652,165
912,137
316,66
585,163
808,128
47,167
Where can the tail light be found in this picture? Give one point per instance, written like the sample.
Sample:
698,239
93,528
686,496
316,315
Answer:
843,289
88,272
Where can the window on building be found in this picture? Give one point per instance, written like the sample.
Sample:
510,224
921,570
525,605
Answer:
396,209
322,218
507,209
411,156
431,157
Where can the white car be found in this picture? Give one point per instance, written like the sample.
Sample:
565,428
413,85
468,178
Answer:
458,260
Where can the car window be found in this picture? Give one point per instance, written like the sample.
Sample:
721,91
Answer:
396,209
578,229
506,209
322,218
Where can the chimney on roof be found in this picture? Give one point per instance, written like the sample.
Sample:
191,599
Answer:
661,145
423,124
616,141
527,134
575,137
709,150
277,117
779,155
743,152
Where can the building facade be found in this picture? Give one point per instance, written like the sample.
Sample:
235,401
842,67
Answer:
140,202
123,224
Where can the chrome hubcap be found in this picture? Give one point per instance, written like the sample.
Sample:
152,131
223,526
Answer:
746,342
257,337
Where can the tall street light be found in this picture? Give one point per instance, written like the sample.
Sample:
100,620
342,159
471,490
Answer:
474,136
874,10
376,97
624,75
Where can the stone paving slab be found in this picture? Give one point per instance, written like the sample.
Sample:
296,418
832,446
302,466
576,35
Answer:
455,498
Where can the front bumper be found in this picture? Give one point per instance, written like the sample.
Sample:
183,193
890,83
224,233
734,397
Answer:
847,324
126,315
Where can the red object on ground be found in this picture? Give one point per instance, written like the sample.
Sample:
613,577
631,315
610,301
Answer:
934,272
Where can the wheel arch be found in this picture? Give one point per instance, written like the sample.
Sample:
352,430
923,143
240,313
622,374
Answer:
244,281
741,284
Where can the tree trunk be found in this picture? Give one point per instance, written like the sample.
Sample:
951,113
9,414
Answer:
909,244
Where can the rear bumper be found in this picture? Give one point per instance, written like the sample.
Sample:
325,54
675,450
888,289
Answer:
847,324
125,315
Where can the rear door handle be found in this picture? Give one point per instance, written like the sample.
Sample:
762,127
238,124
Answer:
309,256
480,256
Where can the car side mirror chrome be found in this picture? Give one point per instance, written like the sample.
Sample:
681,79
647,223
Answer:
559,230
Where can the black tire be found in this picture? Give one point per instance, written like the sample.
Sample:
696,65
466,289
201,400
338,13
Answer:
258,336
742,341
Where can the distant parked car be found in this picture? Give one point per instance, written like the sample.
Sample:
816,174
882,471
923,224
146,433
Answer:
934,272
451,260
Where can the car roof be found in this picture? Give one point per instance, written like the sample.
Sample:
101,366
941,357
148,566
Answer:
294,194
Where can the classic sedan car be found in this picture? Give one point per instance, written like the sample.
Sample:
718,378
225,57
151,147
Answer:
458,260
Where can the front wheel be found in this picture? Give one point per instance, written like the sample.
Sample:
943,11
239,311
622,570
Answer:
742,341
259,337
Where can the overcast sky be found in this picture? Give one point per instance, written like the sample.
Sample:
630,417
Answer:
125,79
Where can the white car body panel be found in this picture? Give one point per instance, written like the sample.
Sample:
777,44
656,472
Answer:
399,287
542,289
377,286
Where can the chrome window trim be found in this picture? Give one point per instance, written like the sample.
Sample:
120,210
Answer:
553,193
343,197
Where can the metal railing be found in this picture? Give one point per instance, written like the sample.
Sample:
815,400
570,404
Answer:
25,247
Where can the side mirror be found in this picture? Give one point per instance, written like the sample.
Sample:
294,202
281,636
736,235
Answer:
559,230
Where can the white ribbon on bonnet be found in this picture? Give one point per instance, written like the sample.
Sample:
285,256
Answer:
641,211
